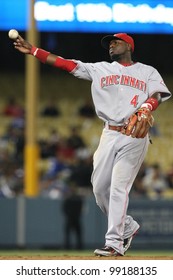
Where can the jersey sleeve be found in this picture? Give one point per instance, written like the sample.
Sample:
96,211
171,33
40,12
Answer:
76,67
156,84
83,70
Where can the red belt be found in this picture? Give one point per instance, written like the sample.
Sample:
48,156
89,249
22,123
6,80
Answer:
116,128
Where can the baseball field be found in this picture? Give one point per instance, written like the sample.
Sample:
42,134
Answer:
80,255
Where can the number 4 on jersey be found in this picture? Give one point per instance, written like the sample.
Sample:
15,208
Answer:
134,100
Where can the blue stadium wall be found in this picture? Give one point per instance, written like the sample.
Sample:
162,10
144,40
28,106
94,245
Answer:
39,223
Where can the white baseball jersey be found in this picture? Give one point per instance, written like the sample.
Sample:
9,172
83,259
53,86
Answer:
117,90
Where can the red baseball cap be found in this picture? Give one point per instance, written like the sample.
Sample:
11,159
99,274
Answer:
119,36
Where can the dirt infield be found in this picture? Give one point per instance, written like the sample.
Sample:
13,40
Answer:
66,257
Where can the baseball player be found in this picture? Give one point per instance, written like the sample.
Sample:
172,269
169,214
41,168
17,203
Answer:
124,93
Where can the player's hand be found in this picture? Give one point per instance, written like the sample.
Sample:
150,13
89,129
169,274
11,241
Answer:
139,123
23,46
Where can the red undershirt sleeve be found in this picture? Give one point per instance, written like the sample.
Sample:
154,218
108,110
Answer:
65,64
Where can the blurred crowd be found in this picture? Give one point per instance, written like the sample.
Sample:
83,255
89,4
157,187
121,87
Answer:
68,160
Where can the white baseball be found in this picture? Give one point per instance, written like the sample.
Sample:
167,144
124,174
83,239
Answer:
13,34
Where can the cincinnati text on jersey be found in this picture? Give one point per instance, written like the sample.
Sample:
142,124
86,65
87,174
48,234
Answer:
123,80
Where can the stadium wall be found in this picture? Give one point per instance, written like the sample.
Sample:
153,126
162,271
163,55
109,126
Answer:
39,223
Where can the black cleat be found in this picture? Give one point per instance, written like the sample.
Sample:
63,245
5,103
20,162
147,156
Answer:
107,252
128,241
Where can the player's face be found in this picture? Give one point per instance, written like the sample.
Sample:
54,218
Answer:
117,48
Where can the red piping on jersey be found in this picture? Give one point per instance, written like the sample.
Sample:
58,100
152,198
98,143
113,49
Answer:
65,64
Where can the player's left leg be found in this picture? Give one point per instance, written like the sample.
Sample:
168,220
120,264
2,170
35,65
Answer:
127,165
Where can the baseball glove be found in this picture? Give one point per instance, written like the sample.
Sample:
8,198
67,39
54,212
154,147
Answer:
139,123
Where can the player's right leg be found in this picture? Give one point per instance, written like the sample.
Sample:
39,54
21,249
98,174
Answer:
104,158
102,170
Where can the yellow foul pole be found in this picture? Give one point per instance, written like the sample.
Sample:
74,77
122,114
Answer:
31,188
